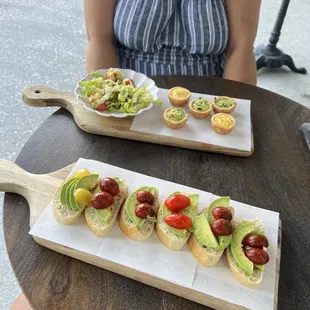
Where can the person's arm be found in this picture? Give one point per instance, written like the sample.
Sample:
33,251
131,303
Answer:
243,16
101,51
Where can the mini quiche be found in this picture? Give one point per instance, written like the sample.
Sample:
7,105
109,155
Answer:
179,96
223,104
200,108
223,123
175,118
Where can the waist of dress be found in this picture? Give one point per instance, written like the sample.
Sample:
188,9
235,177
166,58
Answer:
168,55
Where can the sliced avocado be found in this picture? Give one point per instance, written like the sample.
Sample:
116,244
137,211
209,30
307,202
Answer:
190,211
224,241
165,211
203,232
132,202
63,191
88,182
118,181
152,190
236,247
177,232
70,198
194,205
104,215
220,202
260,267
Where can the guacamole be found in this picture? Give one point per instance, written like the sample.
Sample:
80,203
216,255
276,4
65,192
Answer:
224,102
176,115
201,105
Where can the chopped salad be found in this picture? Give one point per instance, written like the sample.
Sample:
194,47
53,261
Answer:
115,93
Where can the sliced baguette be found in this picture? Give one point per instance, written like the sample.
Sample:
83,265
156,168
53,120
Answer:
166,237
130,229
251,281
63,214
98,227
205,256
255,279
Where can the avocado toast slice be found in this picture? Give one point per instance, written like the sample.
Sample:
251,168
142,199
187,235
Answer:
172,238
100,222
203,244
65,207
132,226
243,269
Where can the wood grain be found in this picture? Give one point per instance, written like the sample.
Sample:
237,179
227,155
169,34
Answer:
40,190
276,177
42,96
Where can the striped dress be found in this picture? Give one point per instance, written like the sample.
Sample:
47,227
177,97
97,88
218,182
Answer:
171,36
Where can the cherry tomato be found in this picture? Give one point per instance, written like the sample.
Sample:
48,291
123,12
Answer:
178,221
109,185
221,227
256,241
128,82
222,213
177,203
113,78
145,196
144,210
256,256
102,200
102,107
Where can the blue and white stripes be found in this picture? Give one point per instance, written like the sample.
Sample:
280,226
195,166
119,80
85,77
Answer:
171,36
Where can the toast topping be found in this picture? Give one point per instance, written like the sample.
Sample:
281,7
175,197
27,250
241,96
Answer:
141,213
74,193
178,214
217,225
103,201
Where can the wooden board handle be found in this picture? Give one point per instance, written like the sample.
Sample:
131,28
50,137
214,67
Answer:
43,96
14,179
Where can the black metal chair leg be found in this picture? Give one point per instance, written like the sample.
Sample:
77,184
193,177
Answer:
261,62
272,56
288,61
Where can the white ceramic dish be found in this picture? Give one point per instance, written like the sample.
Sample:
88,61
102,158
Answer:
139,79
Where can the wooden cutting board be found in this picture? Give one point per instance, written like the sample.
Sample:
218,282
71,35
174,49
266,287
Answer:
39,190
42,96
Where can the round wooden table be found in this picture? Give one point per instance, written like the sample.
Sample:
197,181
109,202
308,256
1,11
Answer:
275,177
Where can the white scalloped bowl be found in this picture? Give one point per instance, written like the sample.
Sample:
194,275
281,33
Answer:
140,80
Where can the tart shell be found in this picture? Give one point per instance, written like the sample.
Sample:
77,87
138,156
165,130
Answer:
222,130
178,102
199,114
172,124
218,109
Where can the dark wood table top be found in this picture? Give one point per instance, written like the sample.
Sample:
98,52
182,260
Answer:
275,177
